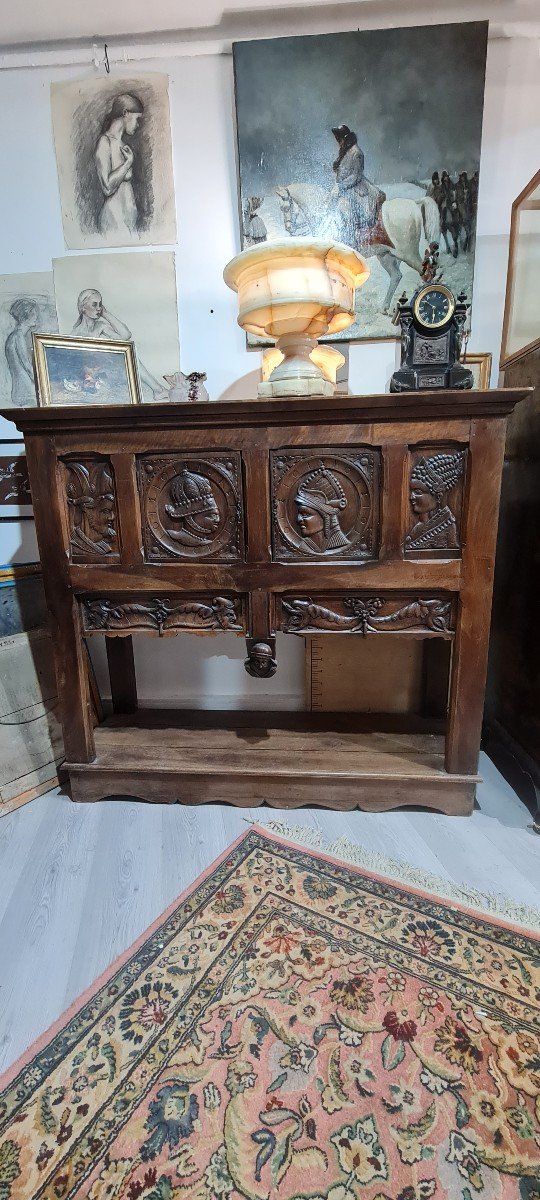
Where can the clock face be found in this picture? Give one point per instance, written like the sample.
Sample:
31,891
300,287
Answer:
434,306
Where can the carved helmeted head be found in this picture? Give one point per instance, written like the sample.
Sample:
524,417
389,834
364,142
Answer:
194,506
91,496
320,498
432,479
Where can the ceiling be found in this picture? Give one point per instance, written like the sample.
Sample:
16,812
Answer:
32,23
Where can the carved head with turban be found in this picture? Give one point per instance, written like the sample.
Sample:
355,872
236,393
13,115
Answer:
320,498
194,506
432,479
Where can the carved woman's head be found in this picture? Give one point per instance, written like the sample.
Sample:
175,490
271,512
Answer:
432,479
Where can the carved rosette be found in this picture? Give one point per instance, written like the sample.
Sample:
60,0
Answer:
191,506
325,503
91,509
161,614
367,614
435,498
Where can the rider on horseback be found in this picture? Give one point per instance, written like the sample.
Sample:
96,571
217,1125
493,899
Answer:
358,201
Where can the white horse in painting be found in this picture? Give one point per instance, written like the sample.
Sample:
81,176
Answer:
307,209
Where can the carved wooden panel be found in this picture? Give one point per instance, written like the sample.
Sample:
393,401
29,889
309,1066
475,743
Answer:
325,503
161,614
191,506
92,509
14,481
435,499
367,614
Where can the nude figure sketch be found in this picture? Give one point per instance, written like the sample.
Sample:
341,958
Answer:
25,313
113,152
95,321
26,307
114,159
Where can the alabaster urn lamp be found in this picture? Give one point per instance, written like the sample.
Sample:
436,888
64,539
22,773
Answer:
295,291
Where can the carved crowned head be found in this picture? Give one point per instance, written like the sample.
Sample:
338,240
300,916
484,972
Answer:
91,496
433,478
320,498
194,505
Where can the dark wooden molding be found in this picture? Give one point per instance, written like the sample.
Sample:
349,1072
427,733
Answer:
497,402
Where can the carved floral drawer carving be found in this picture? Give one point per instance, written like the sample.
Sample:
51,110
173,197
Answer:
191,506
162,614
368,614
325,503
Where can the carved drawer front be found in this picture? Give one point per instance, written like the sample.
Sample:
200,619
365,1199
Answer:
436,482
325,503
361,613
163,615
91,506
191,506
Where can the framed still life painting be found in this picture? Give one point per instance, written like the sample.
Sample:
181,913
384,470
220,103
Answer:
370,138
73,371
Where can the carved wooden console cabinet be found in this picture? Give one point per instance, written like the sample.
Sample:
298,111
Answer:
373,515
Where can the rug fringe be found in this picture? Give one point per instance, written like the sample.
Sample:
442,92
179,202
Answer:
493,904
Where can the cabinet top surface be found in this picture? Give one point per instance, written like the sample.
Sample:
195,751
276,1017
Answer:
300,410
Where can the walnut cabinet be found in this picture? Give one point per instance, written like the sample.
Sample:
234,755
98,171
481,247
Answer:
375,516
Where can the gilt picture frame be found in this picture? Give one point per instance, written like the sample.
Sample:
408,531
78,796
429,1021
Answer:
78,371
480,365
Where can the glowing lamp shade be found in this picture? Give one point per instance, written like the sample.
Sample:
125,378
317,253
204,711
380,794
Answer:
296,290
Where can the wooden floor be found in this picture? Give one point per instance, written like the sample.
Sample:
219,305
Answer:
79,883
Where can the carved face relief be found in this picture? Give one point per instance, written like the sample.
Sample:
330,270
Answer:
91,509
433,480
422,500
191,507
325,504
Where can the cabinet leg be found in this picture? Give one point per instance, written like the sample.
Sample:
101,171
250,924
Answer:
122,675
435,677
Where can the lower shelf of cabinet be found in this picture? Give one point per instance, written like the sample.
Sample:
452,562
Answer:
340,761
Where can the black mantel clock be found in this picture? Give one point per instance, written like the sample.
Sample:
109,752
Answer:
432,325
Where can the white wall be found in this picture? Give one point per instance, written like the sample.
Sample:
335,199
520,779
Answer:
202,105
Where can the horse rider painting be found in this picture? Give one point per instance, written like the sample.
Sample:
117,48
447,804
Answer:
358,201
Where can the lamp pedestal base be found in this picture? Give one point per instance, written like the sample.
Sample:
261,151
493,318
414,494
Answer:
297,374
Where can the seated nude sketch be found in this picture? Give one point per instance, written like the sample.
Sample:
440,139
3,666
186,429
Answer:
431,481
195,509
114,165
319,498
25,313
95,321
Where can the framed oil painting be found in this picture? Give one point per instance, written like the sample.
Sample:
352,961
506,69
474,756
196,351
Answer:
371,138
85,371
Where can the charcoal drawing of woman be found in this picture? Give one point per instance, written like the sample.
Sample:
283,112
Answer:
95,321
114,160
25,313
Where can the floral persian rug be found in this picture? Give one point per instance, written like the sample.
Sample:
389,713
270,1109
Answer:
291,1028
